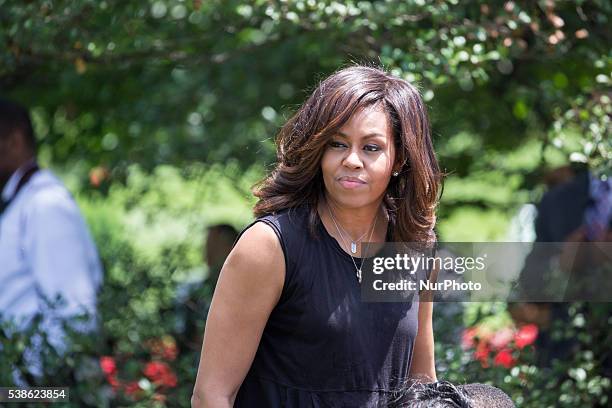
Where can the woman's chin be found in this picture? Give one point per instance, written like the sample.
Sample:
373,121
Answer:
352,199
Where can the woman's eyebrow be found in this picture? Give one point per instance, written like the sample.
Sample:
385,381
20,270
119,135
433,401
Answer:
367,136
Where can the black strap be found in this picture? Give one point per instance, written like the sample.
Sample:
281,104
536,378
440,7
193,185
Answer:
22,182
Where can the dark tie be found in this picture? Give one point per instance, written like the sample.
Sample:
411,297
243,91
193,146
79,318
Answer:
4,204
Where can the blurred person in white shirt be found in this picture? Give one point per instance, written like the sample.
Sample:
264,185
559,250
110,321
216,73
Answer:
46,251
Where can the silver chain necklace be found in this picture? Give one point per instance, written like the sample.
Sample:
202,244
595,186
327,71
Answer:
354,243
357,270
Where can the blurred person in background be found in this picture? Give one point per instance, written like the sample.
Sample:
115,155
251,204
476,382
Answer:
219,241
577,208
193,298
46,252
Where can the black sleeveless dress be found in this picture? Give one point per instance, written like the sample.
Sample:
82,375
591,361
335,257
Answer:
322,346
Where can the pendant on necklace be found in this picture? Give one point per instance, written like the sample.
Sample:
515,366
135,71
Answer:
354,247
359,275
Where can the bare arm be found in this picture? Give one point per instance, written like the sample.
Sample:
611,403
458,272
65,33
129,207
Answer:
249,287
423,362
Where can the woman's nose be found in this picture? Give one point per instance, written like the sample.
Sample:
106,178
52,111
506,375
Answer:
353,160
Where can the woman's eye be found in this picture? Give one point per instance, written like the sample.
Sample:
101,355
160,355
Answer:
336,144
371,148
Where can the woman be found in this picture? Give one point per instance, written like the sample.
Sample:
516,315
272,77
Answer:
287,326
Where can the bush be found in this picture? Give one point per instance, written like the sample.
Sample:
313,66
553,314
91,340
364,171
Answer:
492,351
149,233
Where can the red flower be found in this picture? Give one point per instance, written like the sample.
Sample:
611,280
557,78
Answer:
108,365
113,381
482,354
97,175
161,374
155,369
504,358
169,380
467,338
526,335
132,388
501,338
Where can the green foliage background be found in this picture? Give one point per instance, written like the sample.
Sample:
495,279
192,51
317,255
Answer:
161,114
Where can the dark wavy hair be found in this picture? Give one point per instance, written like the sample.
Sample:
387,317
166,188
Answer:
297,179
444,394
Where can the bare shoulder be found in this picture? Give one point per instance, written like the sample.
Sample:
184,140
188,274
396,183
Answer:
260,239
257,259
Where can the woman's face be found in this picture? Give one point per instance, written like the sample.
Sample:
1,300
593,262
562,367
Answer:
359,159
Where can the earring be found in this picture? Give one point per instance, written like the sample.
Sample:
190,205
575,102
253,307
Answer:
395,173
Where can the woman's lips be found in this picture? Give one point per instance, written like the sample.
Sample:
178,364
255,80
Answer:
350,182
